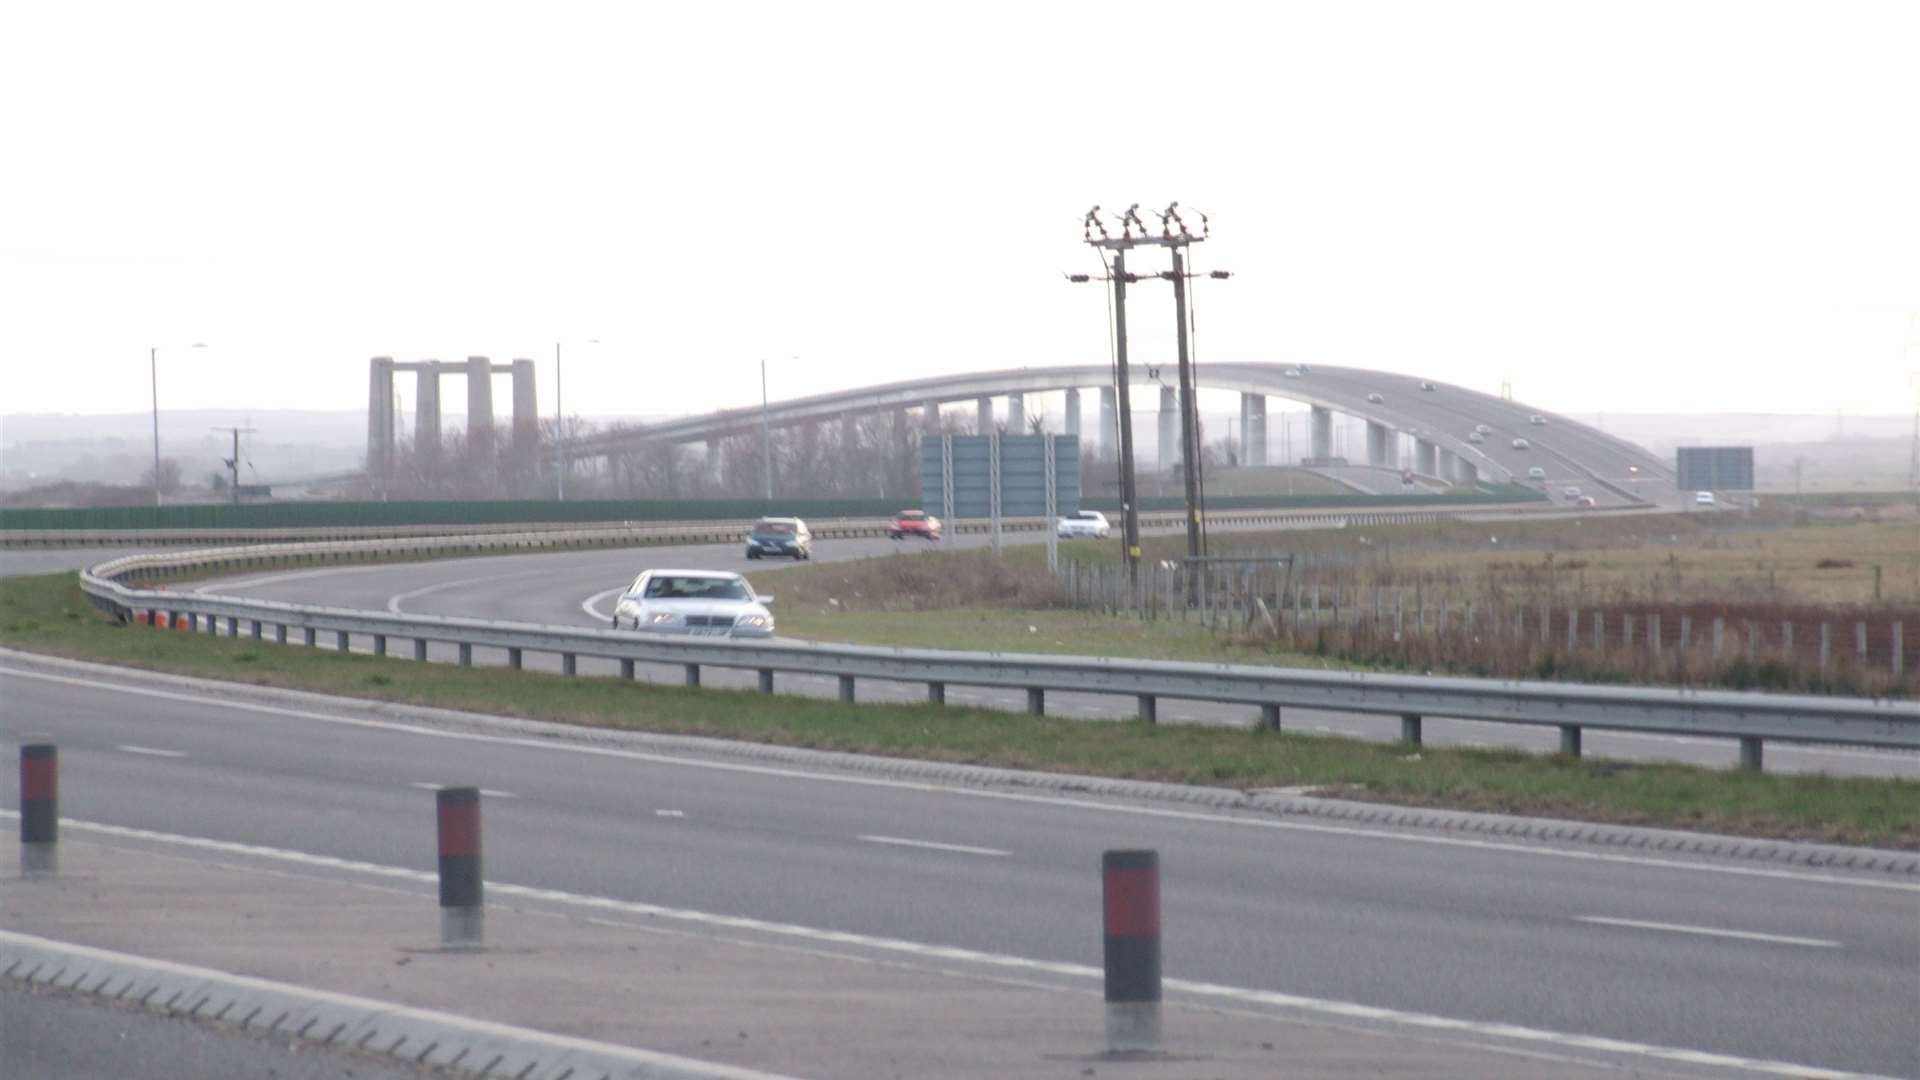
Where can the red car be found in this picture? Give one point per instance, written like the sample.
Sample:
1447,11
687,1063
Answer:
914,523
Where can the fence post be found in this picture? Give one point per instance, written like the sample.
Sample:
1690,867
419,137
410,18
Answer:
1826,645
1719,632
1686,632
1573,628
1626,631
1899,649
1860,640
1786,638
1599,629
1653,633
1753,640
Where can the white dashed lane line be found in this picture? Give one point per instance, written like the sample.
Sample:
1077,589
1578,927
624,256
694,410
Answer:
962,849
1709,931
488,792
151,752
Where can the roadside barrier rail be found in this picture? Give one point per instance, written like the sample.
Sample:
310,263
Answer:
1749,717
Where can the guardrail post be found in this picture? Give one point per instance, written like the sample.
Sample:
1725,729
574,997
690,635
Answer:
569,663
1149,708
308,636
1410,728
936,693
1037,700
766,680
1570,740
1130,894
340,640
233,626
462,910
420,649
39,810
1750,753
280,633
379,644
256,629
846,689
1269,717
466,654
515,659
692,675
626,667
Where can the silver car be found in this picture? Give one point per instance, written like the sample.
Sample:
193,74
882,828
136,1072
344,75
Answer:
698,603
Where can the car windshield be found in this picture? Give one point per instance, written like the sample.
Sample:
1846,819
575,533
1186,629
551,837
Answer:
1088,515
673,587
912,515
773,528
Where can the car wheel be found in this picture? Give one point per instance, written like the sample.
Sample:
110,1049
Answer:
753,554
616,622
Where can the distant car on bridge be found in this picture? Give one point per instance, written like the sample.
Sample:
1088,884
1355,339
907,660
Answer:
1521,444
1474,436
1375,398
1537,420
914,523
1426,386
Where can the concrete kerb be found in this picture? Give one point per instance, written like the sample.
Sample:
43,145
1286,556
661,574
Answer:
417,1037
1269,802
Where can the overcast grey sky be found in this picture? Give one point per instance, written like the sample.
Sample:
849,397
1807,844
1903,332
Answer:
1619,206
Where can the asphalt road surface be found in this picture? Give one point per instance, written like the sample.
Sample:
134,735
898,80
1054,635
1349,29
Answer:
1806,966
577,588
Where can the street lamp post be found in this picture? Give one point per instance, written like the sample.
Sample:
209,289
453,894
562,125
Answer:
153,377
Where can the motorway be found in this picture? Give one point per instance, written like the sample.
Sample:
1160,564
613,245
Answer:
1804,966
576,588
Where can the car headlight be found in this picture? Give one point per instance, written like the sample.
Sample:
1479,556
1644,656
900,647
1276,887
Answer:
753,621
659,617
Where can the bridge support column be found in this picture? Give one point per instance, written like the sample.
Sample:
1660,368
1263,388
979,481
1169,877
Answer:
711,466
1320,445
380,422
1169,426
983,423
1109,421
1379,445
526,412
930,417
479,401
1016,414
1073,412
1254,430
426,412
1469,474
1425,458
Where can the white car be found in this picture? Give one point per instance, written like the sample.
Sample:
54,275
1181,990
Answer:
696,603
1375,398
1703,498
1475,436
1537,420
1083,523
1521,444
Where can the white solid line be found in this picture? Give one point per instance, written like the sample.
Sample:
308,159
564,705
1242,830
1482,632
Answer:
393,602
932,846
669,813
273,579
955,954
151,752
528,742
591,604
1708,931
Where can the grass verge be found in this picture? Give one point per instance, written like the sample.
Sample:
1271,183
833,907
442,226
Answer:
48,615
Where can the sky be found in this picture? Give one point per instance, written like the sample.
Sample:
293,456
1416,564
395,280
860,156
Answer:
1614,207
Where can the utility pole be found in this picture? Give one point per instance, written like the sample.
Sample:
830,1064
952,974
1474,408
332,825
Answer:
1177,236
233,463
766,437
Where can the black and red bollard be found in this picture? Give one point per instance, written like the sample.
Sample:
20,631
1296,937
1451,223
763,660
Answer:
1130,882
39,810
462,916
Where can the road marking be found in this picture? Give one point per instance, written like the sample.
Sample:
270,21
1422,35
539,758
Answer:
932,846
393,602
1708,931
150,751
950,954
669,813
272,579
591,604
785,772
424,785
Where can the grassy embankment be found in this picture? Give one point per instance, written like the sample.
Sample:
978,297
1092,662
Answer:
48,614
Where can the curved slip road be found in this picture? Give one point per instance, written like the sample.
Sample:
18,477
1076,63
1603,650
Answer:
576,588
1803,966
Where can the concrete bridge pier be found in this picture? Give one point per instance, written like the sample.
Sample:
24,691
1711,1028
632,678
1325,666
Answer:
526,413
1073,412
1016,414
1253,429
930,417
1320,445
710,466
1109,441
380,421
984,420
1169,427
479,401
1425,455
426,412
1469,473
1380,444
